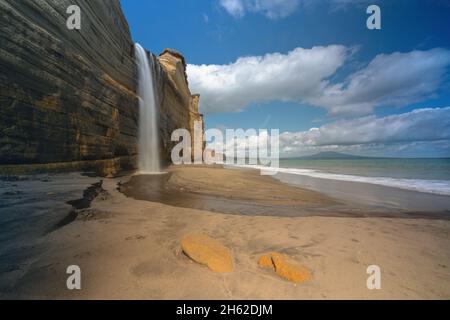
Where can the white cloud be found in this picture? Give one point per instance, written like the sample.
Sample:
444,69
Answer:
273,9
421,130
234,7
277,9
292,76
302,76
395,79
420,125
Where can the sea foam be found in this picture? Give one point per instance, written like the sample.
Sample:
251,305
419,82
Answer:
440,187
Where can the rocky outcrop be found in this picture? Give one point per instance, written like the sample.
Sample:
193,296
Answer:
69,96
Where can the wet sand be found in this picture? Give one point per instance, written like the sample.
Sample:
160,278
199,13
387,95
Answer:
226,191
30,207
367,195
246,192
130,249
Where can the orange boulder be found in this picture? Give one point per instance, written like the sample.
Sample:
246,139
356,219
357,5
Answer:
284,267
208,251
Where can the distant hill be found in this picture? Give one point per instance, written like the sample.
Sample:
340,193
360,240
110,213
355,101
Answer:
332,156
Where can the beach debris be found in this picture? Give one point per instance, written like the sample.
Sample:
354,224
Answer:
284,267
207,251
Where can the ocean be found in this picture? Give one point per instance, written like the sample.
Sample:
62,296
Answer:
422,175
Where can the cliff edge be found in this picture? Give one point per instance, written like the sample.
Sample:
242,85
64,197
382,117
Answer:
179,107
68,97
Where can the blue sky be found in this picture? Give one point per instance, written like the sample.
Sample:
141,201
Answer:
297,65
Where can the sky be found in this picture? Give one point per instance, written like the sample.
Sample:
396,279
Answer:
313,70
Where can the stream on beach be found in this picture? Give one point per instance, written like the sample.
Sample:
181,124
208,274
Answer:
33,206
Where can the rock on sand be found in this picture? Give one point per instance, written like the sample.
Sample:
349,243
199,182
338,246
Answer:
210,252
282,265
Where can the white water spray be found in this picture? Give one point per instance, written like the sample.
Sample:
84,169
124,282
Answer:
149,162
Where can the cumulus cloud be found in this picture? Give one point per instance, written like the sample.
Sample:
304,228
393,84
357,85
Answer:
412,131
420,125
233,7
302,76
272,9
395,79
300,73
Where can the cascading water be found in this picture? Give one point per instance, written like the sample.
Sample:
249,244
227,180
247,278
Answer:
149,162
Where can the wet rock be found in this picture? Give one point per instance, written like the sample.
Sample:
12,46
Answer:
12,193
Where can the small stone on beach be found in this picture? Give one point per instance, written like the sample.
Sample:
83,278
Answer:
210,252
282,265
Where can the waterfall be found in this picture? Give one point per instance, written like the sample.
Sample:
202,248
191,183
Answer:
148,114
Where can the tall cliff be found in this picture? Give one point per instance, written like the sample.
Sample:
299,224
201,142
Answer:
179,108
68,97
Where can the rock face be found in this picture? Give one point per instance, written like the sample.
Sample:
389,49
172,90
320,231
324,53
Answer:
69,96
66,95
179,108
207,251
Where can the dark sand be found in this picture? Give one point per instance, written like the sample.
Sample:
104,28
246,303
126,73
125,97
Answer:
30,208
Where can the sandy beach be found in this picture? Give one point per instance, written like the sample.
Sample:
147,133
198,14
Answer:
130,249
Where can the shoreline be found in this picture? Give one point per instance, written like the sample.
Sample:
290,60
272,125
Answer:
435,187
130,249
367,195
243,191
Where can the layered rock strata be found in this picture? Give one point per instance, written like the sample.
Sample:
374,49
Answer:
68,97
